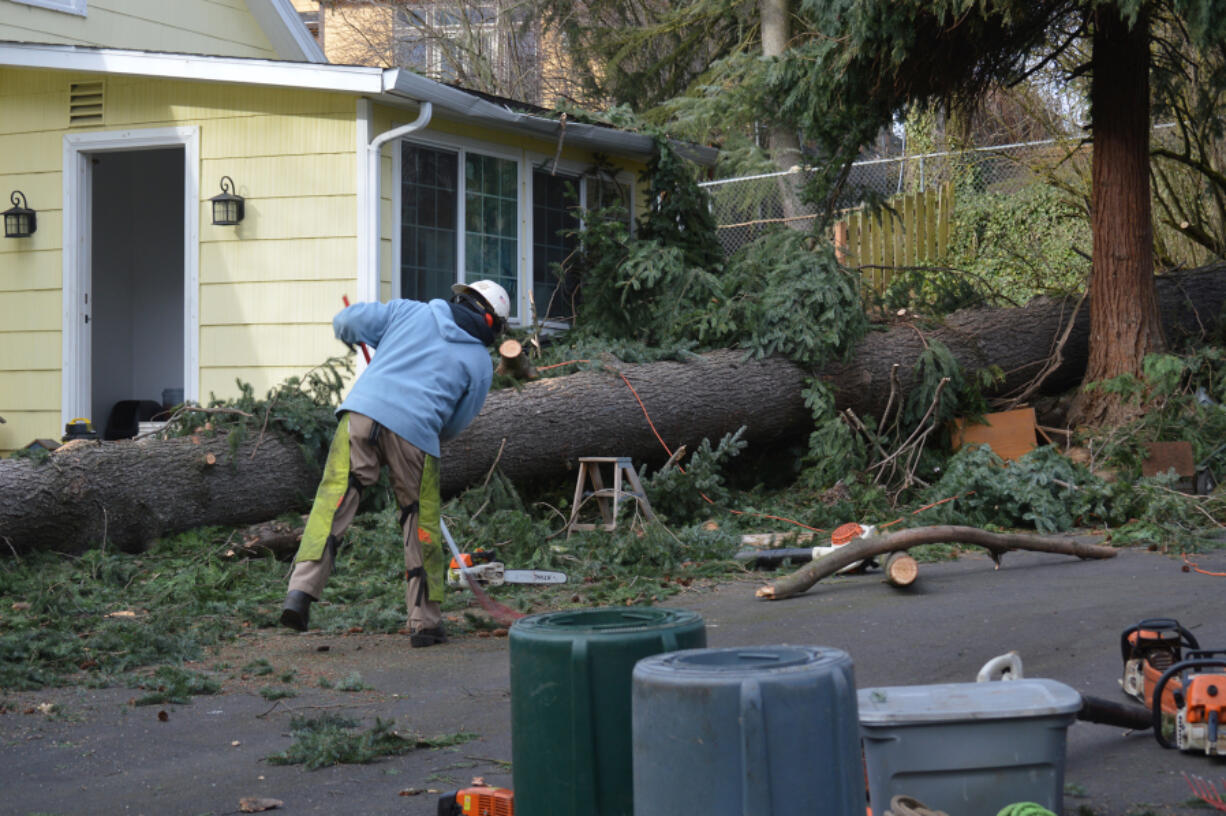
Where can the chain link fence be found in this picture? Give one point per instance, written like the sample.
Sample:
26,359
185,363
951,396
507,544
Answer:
746,207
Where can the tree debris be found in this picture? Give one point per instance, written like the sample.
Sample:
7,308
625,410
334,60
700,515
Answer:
997,544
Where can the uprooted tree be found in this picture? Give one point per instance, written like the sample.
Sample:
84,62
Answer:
130,492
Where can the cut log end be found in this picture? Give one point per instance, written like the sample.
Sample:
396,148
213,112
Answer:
514,361
901,570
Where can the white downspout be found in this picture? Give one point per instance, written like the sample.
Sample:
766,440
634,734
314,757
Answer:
368,261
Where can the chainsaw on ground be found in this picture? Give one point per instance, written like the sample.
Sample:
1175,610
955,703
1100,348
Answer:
1179,682
479,800
482,566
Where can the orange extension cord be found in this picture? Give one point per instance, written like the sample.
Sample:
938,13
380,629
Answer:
707,499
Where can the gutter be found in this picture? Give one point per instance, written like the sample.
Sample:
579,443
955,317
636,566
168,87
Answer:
406,86
369,201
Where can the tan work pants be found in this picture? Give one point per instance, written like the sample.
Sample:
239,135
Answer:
368,450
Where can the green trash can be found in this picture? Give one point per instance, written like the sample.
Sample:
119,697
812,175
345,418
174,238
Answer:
570,703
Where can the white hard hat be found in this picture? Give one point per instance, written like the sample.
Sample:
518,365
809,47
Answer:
490,292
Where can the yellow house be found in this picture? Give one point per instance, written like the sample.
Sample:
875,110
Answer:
356,182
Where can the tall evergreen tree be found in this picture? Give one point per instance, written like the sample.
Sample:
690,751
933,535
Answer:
862,62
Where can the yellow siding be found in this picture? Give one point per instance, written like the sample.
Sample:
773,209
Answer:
230,348
219,383
244,304
269,287
218,27
22,428
30,311
36,351
262,261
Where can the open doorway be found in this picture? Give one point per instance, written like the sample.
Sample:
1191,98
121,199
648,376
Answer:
130,275
136,287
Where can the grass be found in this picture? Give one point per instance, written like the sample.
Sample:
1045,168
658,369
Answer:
331,739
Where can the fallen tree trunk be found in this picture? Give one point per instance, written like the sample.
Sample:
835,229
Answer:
997,544
129,493
549,424
133,492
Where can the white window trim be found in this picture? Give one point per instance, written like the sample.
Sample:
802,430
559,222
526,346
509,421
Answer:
78,7
526,163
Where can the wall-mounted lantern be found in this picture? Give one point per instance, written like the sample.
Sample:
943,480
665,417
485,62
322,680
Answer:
227,207
19,221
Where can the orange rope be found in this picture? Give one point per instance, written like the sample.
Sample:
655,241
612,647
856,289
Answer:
706,498
925,507
1195,568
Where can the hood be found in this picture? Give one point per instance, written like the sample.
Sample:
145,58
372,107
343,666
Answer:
447,327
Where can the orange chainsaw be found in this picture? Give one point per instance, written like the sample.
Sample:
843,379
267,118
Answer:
478,800
482,566
1165,668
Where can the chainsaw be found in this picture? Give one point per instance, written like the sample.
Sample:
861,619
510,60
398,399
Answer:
480,565
479,800
1165,668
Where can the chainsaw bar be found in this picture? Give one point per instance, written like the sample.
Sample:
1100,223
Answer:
493,573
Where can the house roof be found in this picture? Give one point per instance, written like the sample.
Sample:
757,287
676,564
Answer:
392,86
285,30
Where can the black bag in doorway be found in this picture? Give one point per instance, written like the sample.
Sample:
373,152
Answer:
126,416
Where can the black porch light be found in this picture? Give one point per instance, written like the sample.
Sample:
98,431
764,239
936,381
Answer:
19,220
227,207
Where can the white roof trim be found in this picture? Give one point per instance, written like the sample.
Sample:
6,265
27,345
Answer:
390,86
285,30
325,77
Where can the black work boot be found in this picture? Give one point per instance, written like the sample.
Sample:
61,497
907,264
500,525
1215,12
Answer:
427,637
297,610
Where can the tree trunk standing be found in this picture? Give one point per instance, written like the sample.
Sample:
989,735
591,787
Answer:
784,143
1124,317
129,493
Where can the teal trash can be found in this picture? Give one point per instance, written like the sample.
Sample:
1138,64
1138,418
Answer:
570,703
748,731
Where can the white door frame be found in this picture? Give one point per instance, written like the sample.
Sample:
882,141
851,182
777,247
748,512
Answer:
77,251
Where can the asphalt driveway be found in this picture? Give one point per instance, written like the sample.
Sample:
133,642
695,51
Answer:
95,753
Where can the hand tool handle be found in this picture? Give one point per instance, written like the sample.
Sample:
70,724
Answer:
365,351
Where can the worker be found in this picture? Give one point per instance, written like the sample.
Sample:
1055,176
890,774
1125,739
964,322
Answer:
426,382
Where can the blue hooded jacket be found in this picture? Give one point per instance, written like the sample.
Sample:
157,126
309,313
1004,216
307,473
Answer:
429,377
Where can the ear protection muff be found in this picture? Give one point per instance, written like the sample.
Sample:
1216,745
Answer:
489,320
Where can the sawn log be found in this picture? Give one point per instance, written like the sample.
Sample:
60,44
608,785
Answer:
997,544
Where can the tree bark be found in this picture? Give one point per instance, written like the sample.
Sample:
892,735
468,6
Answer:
128,493
1124,317
135,491
784,142
997,544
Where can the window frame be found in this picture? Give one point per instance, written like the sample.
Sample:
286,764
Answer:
462,146
526,162
77,7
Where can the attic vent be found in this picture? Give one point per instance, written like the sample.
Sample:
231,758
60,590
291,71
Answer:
85,104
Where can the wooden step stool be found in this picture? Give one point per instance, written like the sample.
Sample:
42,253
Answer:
589,473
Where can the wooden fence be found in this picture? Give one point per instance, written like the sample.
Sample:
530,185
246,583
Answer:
912,230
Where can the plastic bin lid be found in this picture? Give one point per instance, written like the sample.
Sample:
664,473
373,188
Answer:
952,702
